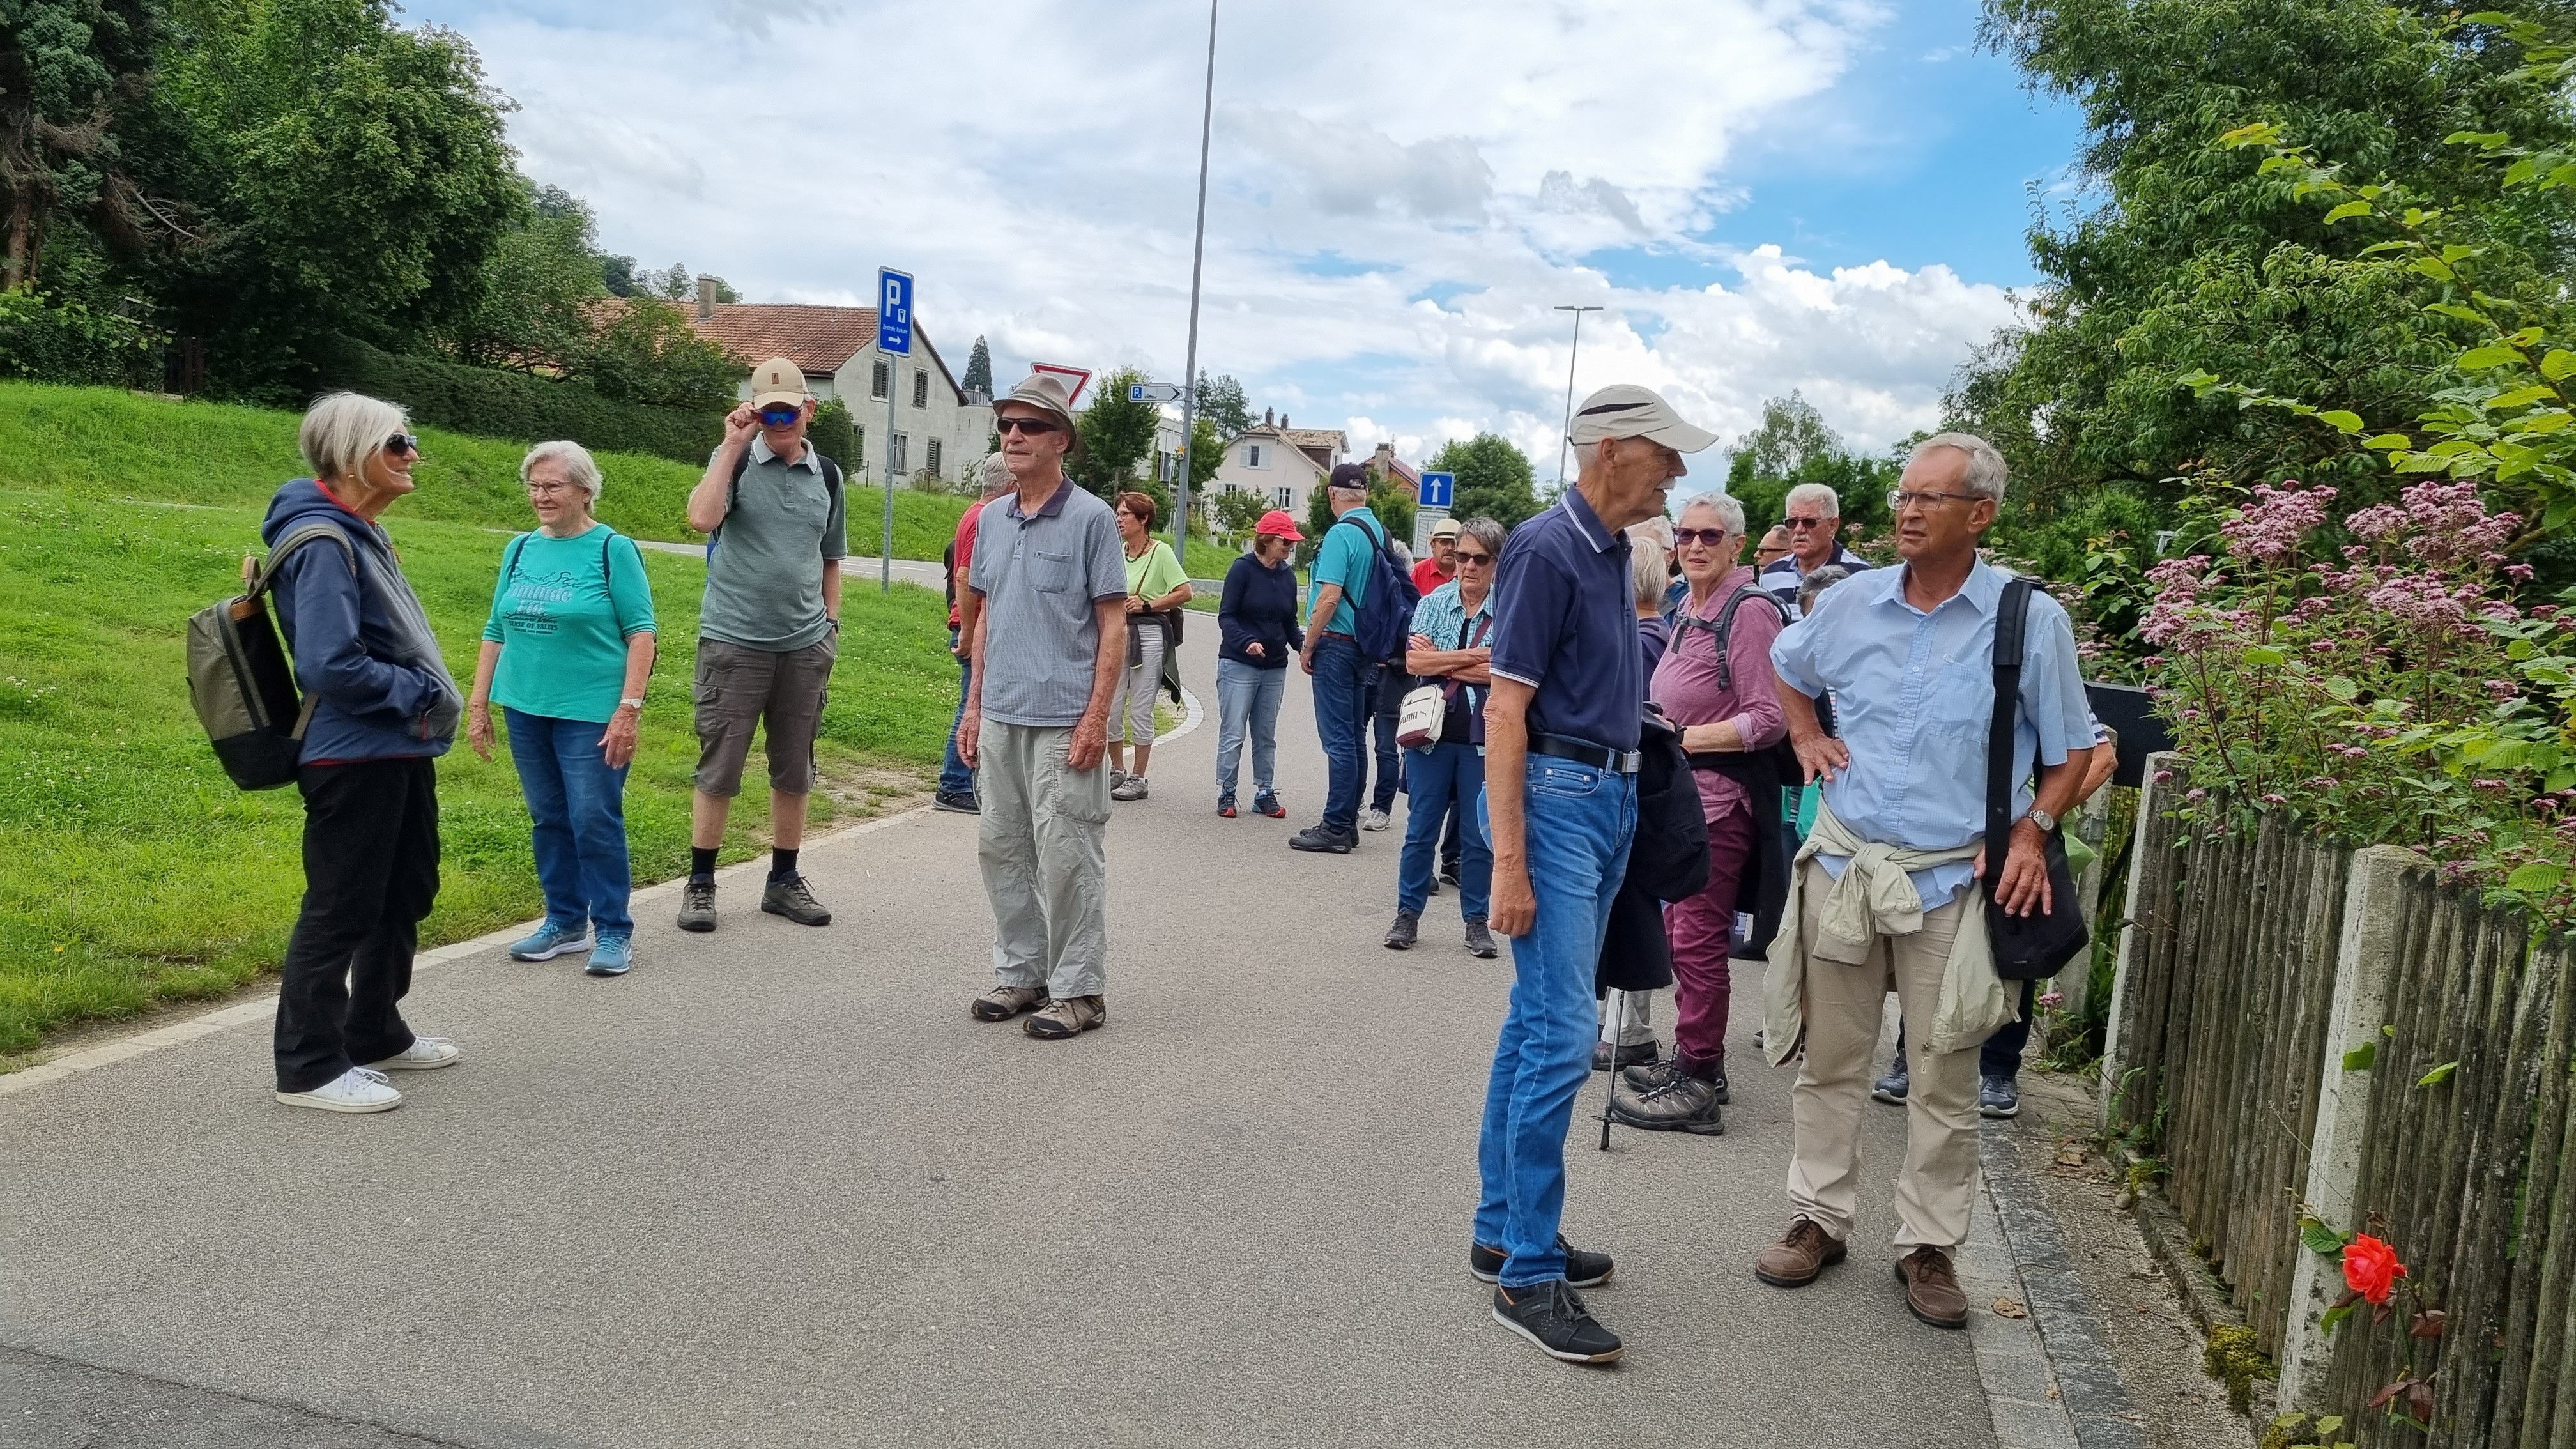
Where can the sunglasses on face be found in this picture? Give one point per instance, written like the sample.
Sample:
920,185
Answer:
780,417
402,443
1801,525
1710,536
1480,559
1034,427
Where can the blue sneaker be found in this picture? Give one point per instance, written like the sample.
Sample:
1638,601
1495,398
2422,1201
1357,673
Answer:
611,956
549,941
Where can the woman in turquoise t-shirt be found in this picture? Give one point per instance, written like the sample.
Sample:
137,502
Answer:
566,650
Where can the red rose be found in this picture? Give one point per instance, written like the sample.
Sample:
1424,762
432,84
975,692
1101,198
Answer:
2371,1268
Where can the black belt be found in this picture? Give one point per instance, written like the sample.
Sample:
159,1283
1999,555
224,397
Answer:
1584,752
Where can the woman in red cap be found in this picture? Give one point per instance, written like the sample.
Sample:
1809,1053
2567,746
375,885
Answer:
1257,618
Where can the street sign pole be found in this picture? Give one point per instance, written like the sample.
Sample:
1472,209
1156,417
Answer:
1566,436
894,339
1190,367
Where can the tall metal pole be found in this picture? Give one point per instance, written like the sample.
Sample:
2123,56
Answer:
894,380
1190,367
1565,435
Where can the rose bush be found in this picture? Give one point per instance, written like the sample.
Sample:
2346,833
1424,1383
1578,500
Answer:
2371,1269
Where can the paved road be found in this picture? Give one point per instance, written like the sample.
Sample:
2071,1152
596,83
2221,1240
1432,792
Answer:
776,1188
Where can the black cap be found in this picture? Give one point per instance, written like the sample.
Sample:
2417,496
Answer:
1350,475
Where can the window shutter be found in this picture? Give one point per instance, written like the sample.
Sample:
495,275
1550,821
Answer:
921,389
930,457
881,379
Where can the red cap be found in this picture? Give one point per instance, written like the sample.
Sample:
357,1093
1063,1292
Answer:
1278,524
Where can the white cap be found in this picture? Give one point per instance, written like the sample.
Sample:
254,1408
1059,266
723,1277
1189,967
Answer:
1625,410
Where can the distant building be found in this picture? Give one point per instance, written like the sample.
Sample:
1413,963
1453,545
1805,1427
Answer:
1284,465
1385,464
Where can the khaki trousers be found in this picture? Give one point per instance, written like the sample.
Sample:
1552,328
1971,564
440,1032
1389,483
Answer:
1042,841
1845,1005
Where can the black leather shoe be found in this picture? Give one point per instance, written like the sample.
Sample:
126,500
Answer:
1407,928
1552,1315
1582,1269
1634,1054
1317,838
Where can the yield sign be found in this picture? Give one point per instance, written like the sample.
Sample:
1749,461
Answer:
1073,378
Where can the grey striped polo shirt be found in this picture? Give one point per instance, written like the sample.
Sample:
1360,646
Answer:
1040,576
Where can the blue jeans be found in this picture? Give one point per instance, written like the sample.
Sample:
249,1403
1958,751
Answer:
1386,710
1577,825
1341,723
1436,779
579,805
1247,698
954,777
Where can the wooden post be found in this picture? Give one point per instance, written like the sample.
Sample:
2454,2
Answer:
2090,824
2151,799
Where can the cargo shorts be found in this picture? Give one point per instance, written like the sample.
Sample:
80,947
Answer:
738,689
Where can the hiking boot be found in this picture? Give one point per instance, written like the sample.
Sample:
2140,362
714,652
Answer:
1266,802
1400,936
1552,1315
788,897
1891,1088
962,802
1681,1103
1647,1078
425,1054
1998,1097
1004,1002
1604,1058
1317,838
1067,1016
1932,1288
613,956
698,905
1117,777
1225,805
1375,819
1131,788
548,941
1795,1260
1480,942
1582,1269
356,1090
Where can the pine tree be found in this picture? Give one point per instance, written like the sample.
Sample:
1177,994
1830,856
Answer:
979,369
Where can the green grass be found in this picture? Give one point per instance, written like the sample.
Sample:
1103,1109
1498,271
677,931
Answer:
139,875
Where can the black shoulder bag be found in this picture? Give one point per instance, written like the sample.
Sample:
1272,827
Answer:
2027,948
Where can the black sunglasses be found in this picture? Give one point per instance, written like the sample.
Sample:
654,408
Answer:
402,443
1031,426
780,417
1684,537
1465,557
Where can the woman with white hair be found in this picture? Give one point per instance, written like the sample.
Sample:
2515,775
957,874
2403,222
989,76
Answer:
379,709
567,650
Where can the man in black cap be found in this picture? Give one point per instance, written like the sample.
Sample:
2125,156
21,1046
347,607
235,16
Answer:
1343,563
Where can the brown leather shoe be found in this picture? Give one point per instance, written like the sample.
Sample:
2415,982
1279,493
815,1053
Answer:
1795,1260
1932,1288
1067,1016
1004,1002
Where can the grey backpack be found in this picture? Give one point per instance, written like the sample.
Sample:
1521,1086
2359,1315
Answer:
241,682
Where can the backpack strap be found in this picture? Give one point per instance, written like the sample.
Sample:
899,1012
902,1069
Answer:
519,545
1722,628
296,538
2010,612
733,488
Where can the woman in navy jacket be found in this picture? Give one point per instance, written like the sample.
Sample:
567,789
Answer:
1257,624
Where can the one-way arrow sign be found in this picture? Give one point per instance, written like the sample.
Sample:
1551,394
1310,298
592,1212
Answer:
1155,392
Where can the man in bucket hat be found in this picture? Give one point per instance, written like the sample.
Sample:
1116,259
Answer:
1046,607
1560,806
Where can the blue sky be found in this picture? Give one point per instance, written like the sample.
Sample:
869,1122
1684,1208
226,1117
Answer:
1827,195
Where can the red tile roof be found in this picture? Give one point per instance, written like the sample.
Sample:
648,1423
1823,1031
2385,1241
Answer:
817,339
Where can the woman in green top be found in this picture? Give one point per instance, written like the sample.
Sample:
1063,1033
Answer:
566,650
1155,586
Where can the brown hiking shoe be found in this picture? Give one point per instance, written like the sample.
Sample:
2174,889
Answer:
1795,1260
1932,1288
1067,1016
1004,1002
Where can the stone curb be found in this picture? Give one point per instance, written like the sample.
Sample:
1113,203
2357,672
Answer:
2076,1344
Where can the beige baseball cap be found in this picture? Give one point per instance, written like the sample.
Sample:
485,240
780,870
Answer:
1625,410
1446,528
1041,391
777,381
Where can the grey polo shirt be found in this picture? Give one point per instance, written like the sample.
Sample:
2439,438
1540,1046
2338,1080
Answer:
765,565
1040,576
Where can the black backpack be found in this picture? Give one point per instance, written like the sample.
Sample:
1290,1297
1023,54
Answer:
1385,619
239,678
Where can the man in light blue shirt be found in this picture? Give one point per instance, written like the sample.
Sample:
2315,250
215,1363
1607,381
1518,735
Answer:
1908,654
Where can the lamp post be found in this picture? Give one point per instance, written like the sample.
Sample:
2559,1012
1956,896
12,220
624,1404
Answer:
1190,364
1565,435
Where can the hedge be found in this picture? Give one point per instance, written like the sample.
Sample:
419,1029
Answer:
495,404
47,341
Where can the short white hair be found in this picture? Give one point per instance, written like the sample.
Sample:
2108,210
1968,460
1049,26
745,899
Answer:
1646,567
993,474
1729,510
343,429
1816,493
579,467
1986,473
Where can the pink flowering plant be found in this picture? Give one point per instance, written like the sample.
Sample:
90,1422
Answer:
2386,689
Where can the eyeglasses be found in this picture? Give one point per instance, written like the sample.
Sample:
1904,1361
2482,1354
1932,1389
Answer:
1899,499
1479,559
780,417
1034,427
550,490
402,443
1713,537
1801,525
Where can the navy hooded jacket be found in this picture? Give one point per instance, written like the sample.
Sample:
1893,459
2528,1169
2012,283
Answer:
362,643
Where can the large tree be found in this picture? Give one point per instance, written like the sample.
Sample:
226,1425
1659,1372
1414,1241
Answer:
1494,479
979,369
70,72
1221,401
1116,434
538,303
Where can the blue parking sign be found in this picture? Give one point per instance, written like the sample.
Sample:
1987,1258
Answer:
1437,490
894,312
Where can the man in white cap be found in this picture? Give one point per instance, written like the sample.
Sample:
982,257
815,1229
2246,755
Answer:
1047,611
1561,735
769,630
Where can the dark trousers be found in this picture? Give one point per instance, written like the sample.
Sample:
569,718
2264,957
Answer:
1386,710
954,777
370,874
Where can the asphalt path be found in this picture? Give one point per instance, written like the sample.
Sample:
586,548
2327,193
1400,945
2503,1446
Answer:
776,1188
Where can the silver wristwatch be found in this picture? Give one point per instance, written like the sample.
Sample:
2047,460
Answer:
2041,818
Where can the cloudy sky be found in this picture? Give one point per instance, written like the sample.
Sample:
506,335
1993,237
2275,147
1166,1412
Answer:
1826,195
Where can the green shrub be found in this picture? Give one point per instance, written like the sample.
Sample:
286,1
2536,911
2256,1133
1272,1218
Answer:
68,342
512,405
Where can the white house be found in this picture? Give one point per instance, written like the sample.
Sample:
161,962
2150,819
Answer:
1284,465
940,428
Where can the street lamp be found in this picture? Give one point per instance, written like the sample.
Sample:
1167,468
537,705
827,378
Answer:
1565,435
1190,366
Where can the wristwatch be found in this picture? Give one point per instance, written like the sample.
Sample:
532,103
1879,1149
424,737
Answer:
2041,818
636,705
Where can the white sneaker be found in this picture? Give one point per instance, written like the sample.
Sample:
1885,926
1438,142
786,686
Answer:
425,1054
1374,819
355,1090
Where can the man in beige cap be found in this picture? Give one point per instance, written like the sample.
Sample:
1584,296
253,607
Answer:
1561,735
769,630
1046,608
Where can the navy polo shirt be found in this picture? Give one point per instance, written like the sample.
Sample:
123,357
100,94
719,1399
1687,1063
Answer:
1565,623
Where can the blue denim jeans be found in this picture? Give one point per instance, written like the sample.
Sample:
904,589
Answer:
579,805
1577,825
1247,700
954,777
1386,710
1341,723
1436,779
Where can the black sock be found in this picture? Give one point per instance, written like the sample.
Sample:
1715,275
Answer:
702,863
782,864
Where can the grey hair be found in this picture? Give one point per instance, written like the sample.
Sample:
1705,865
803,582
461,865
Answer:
1814,493
1646,569
1487,532
342,429
1659,528
579,467
1730,510
1986,472
1816,583
993,474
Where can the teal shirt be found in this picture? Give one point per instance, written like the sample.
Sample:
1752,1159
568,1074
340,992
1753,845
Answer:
562,621
1345,557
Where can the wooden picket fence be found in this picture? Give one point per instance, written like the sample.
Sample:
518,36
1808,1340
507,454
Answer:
2467,1159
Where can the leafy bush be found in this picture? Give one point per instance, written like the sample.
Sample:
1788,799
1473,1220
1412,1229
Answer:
513,405
68,342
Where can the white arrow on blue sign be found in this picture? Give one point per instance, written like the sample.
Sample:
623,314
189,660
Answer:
894,312
1154,392
1438,489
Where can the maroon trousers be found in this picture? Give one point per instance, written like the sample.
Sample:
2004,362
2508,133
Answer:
1701,928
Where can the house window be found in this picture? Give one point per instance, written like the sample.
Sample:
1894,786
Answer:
1285,498
902,452
1252,455
930,457
921,389
880,379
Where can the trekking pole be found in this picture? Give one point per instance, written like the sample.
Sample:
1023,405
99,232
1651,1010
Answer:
1613,1021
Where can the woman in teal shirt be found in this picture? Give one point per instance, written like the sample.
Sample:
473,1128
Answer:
566,650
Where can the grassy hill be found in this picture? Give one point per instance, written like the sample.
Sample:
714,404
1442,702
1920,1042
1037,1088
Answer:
138,874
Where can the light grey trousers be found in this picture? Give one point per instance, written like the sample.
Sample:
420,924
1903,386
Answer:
1042,841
